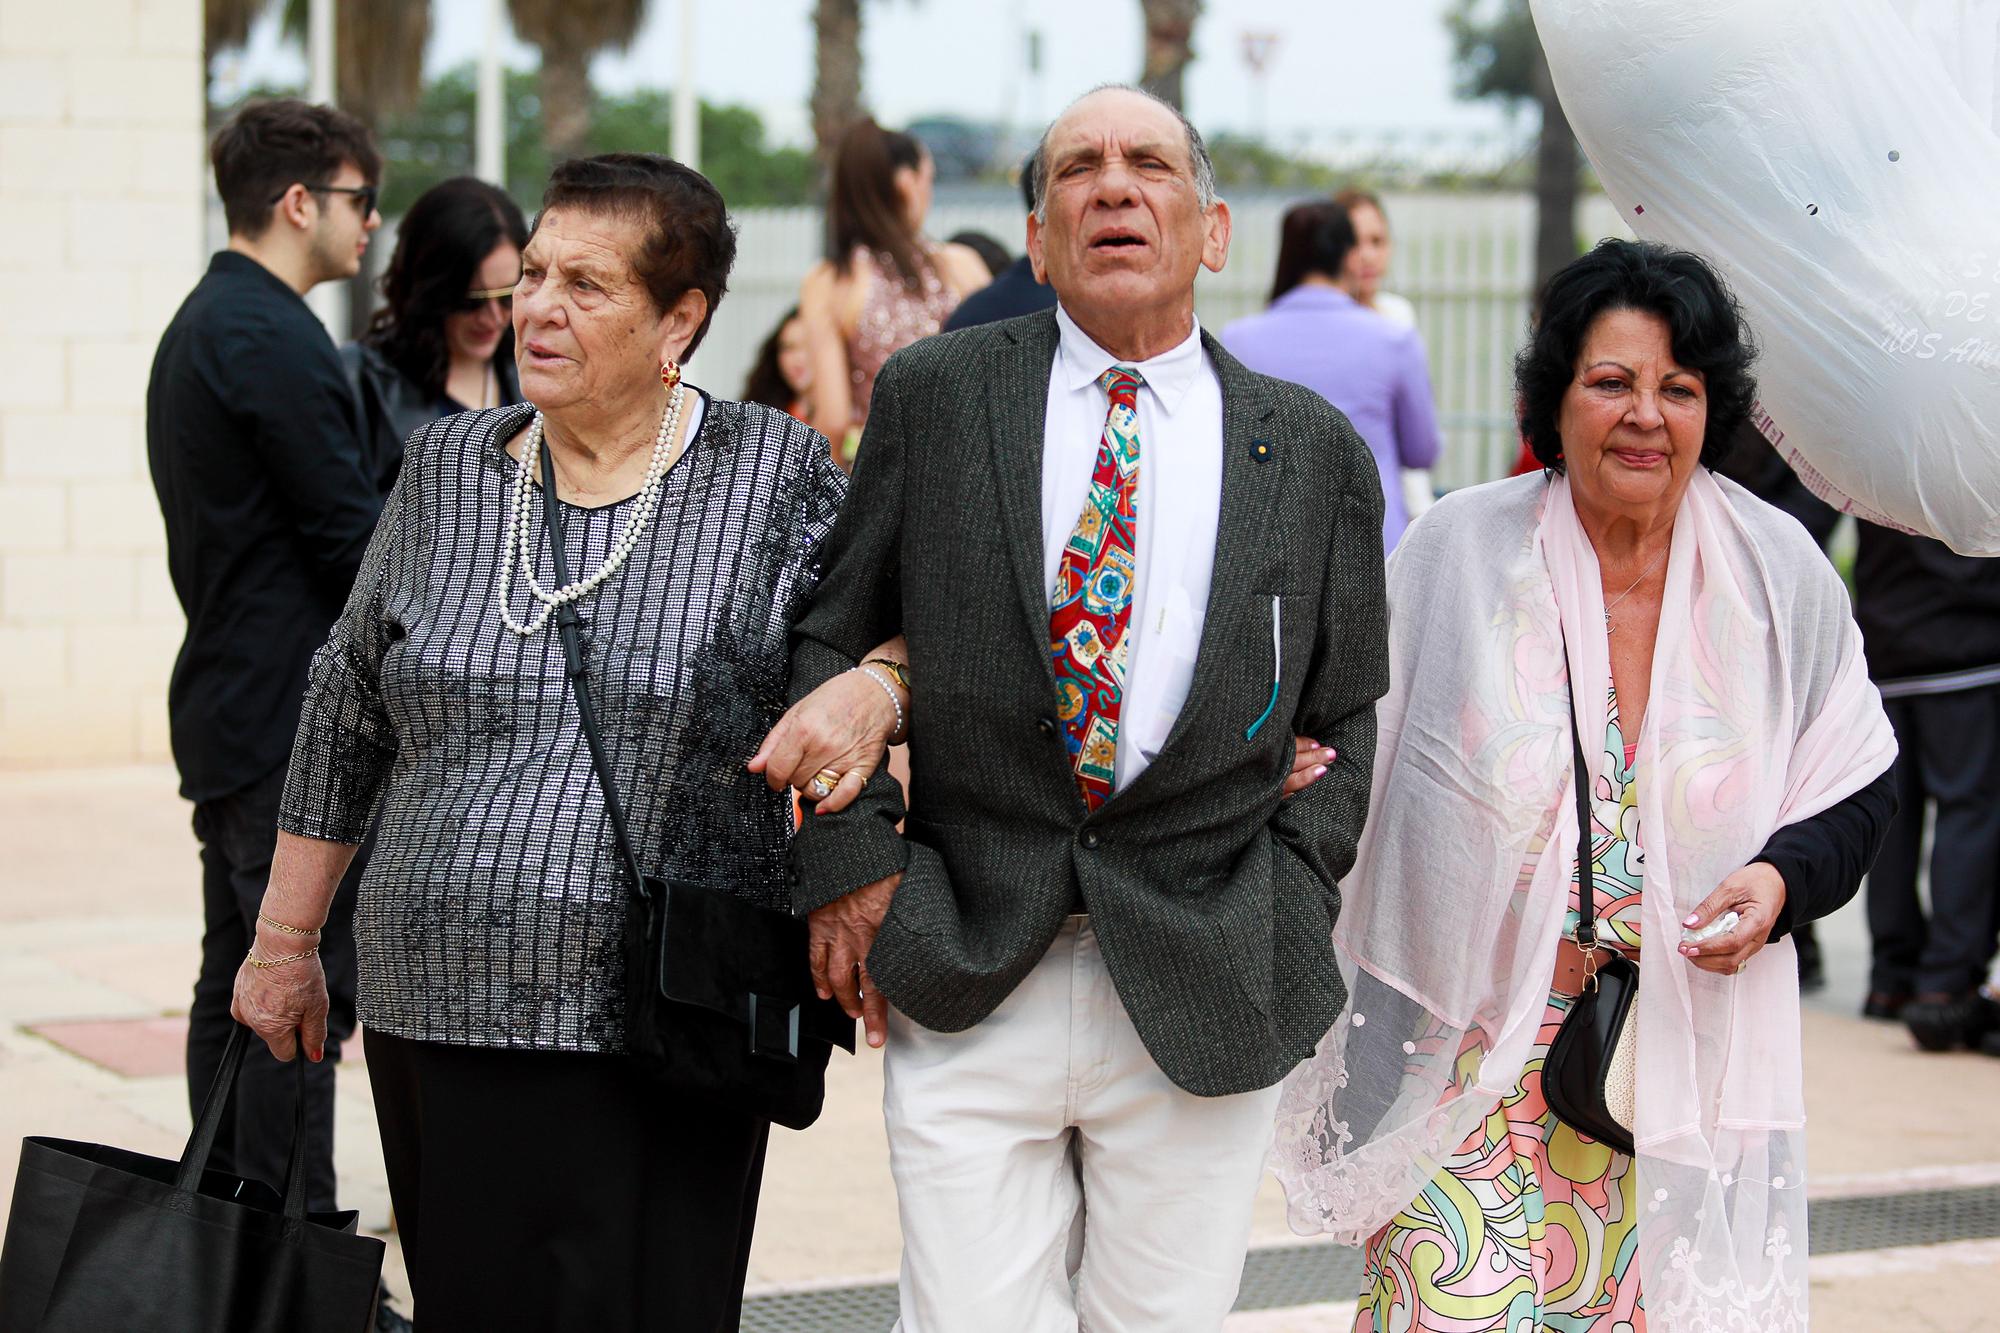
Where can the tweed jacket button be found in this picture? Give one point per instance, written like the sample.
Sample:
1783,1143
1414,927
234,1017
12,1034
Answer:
1046,725
1090,839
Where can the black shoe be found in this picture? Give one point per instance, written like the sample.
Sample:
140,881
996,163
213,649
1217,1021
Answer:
1990,1044
1945,1023
1884,1004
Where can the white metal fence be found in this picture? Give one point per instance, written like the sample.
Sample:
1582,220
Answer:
1465,260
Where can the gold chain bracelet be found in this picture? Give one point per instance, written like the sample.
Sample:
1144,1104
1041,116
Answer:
281,926
261,963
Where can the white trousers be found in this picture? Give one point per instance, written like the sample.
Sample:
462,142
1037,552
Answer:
1044,1145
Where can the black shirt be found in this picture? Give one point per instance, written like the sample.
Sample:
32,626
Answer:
1924,609
253,443
1012,292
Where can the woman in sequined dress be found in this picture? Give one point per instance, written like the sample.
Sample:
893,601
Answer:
542,1180
883,284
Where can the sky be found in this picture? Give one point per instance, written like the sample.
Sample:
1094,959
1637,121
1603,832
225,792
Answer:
1337,65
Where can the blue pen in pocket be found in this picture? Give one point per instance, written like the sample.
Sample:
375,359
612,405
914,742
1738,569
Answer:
1277,672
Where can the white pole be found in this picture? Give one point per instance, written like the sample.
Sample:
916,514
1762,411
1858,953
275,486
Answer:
319,52
687,107
489,119
329,299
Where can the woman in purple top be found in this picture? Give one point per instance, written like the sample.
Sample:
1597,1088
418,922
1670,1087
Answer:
1317,335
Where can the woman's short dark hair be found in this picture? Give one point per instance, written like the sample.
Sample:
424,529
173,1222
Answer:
767,383
440,245
1314,238
268,147
864,209
1703,320
690,243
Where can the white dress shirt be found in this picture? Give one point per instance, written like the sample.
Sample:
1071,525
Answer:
1179,502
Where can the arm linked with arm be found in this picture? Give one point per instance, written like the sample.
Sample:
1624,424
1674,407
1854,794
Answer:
1349,671
1822,859
857,605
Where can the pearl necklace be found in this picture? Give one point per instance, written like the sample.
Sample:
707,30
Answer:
519,522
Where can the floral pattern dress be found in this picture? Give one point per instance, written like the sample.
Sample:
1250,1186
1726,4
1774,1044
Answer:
1531,1227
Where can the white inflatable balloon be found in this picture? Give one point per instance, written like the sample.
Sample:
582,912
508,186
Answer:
1839,161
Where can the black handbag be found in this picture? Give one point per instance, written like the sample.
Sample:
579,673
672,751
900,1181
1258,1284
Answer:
101,1238
1588,1073
719,998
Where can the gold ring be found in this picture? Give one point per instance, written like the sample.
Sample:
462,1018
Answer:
823,784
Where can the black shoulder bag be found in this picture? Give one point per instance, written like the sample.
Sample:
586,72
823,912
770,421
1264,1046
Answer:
719,1000
1588,1074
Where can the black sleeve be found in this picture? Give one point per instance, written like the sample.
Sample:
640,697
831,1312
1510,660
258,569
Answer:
857,604
1822,859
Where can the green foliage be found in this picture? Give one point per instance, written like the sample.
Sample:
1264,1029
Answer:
1494,48
435,142
1243,161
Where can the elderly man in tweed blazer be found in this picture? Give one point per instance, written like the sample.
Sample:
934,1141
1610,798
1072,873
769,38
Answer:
1128,570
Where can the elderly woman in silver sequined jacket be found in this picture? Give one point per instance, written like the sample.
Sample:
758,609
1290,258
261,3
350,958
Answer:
538,1180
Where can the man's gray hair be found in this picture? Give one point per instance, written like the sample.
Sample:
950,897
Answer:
1204,166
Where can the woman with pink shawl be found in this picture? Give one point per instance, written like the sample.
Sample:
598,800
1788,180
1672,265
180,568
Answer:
1737,760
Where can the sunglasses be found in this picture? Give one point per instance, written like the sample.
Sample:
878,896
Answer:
365,196
473,302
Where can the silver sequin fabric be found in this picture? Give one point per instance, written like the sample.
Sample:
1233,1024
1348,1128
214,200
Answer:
893,316
492,910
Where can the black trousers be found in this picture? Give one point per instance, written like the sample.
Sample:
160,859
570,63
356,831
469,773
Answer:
1950,755
238,834
543,1190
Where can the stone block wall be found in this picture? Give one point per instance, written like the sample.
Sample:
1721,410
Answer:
102,183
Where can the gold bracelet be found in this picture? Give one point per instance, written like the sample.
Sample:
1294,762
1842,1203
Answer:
900,671
281,926
261,963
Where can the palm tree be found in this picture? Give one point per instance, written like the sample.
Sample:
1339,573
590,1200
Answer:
1169,46
569,33
378,54
1499,55
836,94
225,25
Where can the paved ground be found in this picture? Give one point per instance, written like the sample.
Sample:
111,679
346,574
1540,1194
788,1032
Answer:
99,923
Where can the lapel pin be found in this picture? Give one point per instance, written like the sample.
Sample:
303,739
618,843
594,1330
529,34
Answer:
1260,450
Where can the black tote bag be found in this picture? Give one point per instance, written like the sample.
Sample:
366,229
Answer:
103,1239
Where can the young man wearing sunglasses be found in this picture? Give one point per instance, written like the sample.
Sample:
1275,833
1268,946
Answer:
252,439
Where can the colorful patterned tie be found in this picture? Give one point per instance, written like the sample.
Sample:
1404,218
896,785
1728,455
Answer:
1092,605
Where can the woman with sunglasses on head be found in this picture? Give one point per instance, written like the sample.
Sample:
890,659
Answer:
444,342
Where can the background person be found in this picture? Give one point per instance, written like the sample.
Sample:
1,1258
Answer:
1367,265
254,448
883,284
1699,646
991,253
1317,335
1015,290
782,374
444,342
539,1179
1931,620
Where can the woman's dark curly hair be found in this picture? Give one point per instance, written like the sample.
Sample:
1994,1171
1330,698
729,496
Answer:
442,241
1702,319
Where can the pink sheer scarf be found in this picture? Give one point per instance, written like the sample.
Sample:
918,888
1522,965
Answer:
1761,714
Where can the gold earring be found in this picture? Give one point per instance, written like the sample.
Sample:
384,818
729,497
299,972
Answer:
670,374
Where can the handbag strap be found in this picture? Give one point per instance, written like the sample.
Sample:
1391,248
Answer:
569,627
222,1092
1586,886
